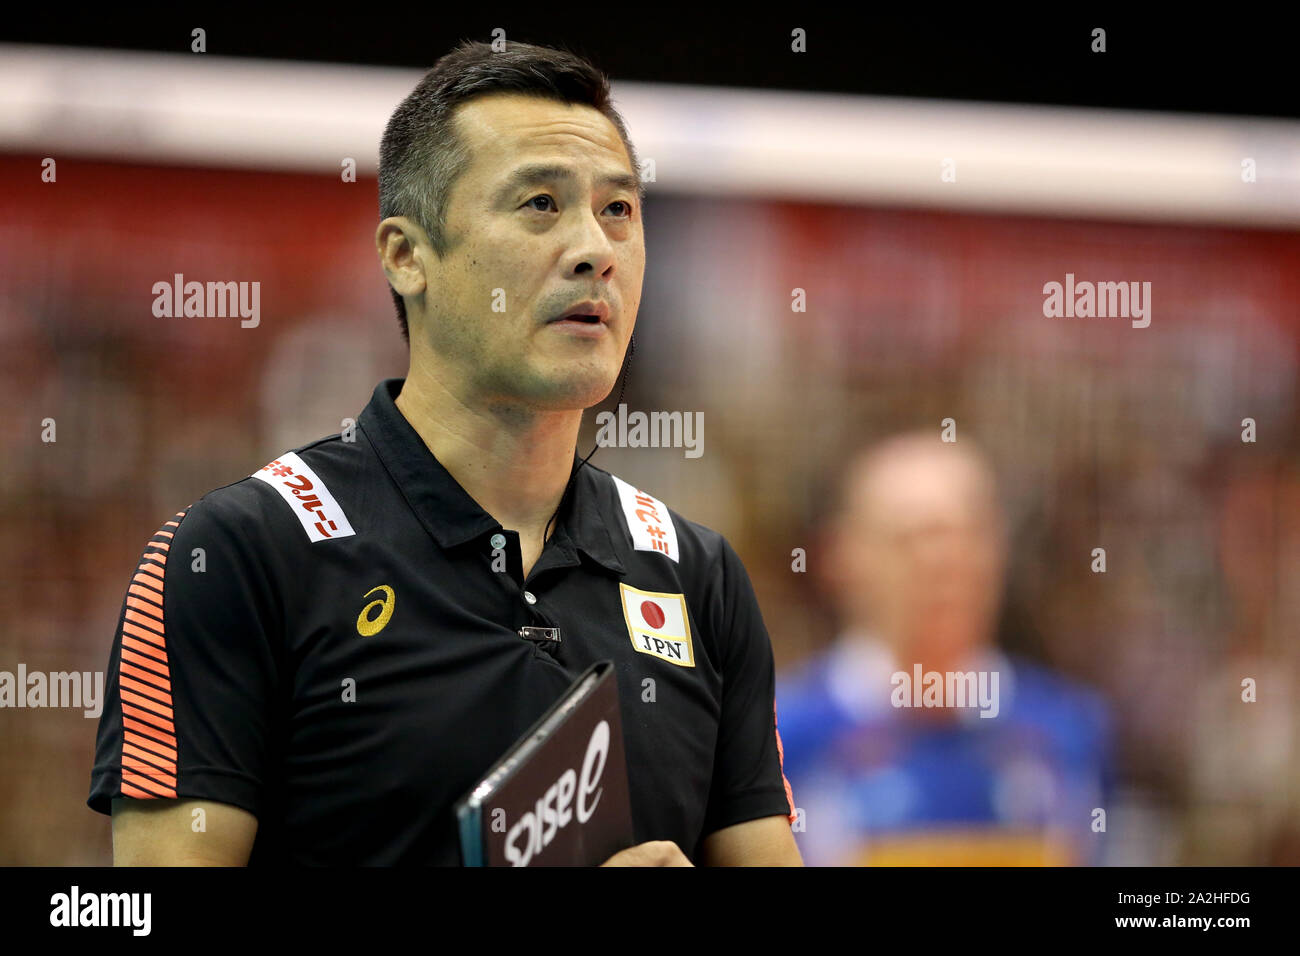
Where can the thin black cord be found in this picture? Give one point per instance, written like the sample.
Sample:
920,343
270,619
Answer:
627,365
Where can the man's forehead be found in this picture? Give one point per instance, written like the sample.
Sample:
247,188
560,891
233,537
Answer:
501,127
918,485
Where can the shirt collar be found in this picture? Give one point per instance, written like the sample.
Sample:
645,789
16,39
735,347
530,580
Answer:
448,511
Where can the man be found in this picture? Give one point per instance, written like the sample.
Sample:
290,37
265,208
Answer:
1006,771
319,659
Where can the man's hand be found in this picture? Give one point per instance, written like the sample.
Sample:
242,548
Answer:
654,853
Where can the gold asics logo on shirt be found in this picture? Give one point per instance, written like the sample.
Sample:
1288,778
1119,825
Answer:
369,625
658,624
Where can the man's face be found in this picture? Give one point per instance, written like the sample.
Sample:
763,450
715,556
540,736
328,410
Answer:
544,218
921,550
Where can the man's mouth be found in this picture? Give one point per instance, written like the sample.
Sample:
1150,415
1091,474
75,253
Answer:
588,312
589,319
583,325
586,320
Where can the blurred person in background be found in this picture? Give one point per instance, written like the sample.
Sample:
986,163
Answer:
915,556
1243,734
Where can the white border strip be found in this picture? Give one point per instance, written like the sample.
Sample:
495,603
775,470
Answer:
204,110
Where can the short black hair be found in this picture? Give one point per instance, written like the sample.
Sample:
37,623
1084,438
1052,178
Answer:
421,156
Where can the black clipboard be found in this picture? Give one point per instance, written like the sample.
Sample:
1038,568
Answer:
559,796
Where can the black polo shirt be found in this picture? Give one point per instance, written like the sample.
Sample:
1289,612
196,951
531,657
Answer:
333,643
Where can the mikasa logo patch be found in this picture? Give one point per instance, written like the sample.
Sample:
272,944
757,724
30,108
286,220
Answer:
658,624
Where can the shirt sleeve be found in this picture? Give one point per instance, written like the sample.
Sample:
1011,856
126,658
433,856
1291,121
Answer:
192,672
748,781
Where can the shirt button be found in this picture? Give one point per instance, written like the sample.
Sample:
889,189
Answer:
530,597
498,540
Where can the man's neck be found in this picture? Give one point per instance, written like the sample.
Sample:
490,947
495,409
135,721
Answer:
931,655
514,462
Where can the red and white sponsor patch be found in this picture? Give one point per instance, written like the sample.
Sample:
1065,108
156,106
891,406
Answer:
321,516
648,520
658,624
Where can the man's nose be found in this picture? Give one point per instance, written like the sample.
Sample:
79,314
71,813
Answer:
590,247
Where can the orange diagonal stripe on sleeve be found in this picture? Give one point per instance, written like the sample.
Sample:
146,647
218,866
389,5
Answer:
151,624
144,606
159,681
146,594
162,710
780,755
143,647
151,722
140,632
148,743
131,753
148,729
149,750
145,690
157,667
149,581
153,569
146,785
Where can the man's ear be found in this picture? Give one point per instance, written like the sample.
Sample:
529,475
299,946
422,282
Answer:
403,248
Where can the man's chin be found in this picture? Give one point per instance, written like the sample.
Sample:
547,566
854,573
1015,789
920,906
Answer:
568,395
574,389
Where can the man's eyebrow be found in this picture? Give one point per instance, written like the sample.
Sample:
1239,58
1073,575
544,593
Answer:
537,174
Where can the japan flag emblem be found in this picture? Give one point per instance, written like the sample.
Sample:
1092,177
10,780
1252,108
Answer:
658,624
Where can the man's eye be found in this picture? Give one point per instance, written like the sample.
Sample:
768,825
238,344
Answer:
626,205
542,197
